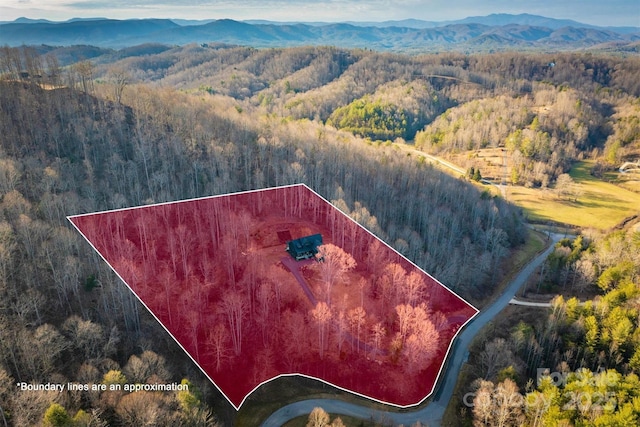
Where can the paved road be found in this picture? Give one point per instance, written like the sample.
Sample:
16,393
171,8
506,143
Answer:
432,413
630,167
444,163
294,267
516,301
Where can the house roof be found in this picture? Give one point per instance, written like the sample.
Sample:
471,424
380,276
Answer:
305,244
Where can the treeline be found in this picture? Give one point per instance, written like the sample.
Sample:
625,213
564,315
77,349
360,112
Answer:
579,365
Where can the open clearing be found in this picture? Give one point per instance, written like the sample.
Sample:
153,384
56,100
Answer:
601,205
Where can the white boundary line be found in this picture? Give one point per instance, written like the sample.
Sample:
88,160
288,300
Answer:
152,205
442,364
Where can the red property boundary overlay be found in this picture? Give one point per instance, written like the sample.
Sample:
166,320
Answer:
214,272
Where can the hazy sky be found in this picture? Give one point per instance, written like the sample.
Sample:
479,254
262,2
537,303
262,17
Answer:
598,12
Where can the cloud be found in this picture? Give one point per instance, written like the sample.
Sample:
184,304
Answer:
200,4
308,10
612,12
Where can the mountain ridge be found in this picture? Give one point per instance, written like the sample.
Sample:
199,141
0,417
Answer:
492,32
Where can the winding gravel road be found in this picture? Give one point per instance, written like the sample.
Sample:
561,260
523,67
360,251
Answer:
433,412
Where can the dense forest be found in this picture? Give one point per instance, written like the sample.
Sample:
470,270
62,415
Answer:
577,365
156,123
544,110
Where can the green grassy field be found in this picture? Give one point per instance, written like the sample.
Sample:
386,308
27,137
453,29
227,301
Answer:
601,205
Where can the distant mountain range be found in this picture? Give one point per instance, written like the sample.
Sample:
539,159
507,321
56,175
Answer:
495,19
482,33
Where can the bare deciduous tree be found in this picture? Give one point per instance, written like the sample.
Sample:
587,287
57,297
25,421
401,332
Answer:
120,78
413,288
217,338
496,355
321,314
147,365
498,405
233,306
84,71
85,337
318,418
357,318
336,262
378,332
419,336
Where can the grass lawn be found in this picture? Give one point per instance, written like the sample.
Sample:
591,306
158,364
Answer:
601,205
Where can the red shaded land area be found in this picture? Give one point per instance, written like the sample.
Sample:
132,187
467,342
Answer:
215,273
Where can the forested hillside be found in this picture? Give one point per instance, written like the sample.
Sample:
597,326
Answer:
158,123
70,148
541,134
545,111
578,364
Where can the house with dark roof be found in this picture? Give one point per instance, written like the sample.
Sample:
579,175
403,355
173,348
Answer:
304,247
